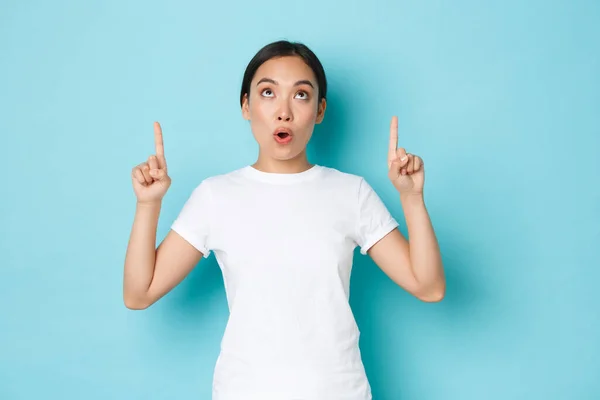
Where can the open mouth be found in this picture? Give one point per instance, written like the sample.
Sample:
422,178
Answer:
282,136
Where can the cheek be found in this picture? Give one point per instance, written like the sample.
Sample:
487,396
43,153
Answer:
260,119
260,111
307,113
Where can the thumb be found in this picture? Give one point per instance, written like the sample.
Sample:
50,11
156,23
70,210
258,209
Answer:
395,168
402,156
158,174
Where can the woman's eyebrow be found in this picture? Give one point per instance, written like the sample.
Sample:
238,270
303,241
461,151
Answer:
274,82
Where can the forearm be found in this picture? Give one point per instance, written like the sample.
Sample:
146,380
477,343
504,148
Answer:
141,252
424,250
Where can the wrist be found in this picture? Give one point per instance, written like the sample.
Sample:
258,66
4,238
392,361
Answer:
152,205
410,200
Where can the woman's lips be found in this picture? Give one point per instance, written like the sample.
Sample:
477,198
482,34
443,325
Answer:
283,135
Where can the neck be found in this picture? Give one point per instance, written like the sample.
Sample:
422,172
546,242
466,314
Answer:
294,165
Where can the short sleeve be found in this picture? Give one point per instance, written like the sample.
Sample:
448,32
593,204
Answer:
374,220
193,221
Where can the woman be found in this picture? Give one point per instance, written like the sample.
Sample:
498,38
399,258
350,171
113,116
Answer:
284,231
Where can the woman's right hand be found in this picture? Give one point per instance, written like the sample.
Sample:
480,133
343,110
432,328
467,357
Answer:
150,178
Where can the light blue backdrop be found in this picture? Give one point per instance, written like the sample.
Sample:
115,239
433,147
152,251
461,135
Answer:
502,100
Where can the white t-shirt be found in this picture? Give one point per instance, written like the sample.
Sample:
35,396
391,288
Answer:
285,245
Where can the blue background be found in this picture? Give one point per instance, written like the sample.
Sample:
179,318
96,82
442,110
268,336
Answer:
502,101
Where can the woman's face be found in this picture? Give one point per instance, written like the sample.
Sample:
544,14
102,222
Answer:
283,107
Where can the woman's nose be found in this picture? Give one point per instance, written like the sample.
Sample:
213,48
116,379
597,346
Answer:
284,114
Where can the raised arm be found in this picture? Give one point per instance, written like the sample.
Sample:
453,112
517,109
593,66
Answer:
413,264
151,272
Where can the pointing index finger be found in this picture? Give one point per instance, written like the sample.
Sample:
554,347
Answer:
393,145
158,144
158,140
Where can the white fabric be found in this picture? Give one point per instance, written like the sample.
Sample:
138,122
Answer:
285,245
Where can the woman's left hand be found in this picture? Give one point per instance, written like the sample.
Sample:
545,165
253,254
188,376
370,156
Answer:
405,170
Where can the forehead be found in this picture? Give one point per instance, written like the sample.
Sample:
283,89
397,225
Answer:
285,70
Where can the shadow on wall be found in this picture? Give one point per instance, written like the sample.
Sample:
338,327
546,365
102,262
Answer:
193,316
391,321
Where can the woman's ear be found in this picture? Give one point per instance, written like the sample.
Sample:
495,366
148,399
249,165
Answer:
245,108
321,111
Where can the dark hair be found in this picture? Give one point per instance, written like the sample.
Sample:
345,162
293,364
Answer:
284,48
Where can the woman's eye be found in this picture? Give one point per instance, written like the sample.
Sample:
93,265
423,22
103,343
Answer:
303,94
267,92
